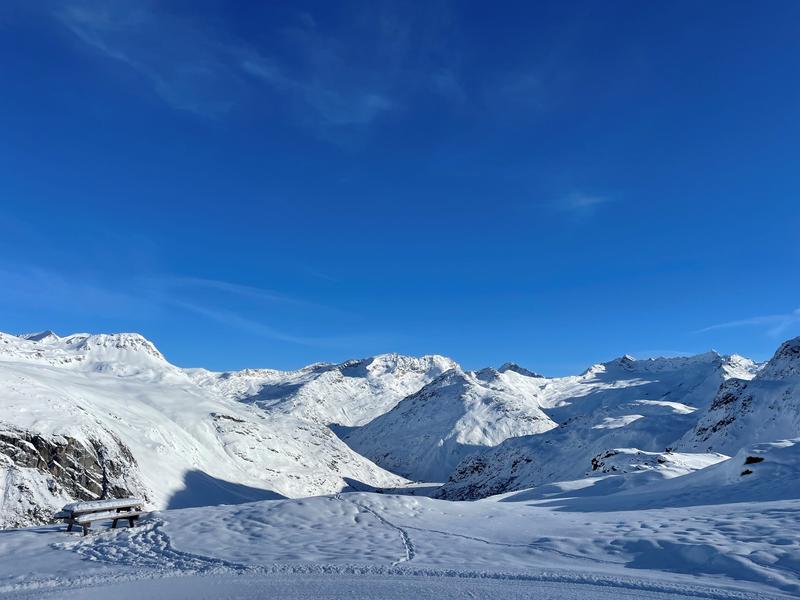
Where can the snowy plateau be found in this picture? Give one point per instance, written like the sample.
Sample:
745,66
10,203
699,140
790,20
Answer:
399,477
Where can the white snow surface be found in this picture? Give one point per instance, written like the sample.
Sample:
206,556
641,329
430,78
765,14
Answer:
428,433
616,483
626,403
351,393
746,411
192,446
380,545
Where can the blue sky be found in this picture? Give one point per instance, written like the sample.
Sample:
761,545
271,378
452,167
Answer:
273,184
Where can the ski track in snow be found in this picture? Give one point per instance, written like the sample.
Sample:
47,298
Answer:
532,546
410,551
408,544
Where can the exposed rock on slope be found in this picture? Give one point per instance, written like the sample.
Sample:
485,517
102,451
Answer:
39,472
762,409
428,433
186,439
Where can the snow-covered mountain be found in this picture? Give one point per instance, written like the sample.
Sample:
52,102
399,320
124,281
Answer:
626,403
351,393
121,354
88,416
428,433
747,411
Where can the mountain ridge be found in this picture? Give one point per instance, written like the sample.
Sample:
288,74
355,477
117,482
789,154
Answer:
166,432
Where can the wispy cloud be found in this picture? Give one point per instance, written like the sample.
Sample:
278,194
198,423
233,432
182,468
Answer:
328,80
581,202
576,204
184,67
241,290
264,330
774,324
143,298
332,105
36,287
244,324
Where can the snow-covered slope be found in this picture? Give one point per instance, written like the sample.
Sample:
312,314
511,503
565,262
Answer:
120,415
428,433
762,409
399,547
764,472
351,393
94,415
626,403
121,354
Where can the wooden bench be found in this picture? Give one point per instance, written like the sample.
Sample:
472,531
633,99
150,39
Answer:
84,514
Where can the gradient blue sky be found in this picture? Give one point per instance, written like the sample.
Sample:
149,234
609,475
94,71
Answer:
273,184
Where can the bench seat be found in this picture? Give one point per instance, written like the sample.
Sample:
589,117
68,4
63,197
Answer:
89,506
106,516
84,514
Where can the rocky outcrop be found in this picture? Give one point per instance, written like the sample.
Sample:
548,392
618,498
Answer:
70,469
762,409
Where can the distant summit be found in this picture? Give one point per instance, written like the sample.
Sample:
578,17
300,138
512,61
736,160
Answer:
510,366
42,336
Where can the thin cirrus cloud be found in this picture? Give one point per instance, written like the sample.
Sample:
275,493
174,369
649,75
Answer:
264,330
183,67
581,202
203,69
145,298
577,204
774,324
182,293
238,289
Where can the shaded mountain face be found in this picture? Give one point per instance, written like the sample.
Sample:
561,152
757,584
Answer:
428,433
646,405
510,366
761,409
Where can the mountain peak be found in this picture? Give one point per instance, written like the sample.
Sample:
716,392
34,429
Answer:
785,362
42,336
510,366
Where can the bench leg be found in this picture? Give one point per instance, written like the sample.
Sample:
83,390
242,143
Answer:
69,526
130,522
114,523
85,530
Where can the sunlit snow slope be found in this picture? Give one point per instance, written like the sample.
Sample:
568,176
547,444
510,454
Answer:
89,416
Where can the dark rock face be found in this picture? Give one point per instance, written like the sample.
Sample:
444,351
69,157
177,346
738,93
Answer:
73,469
731,402
476,478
